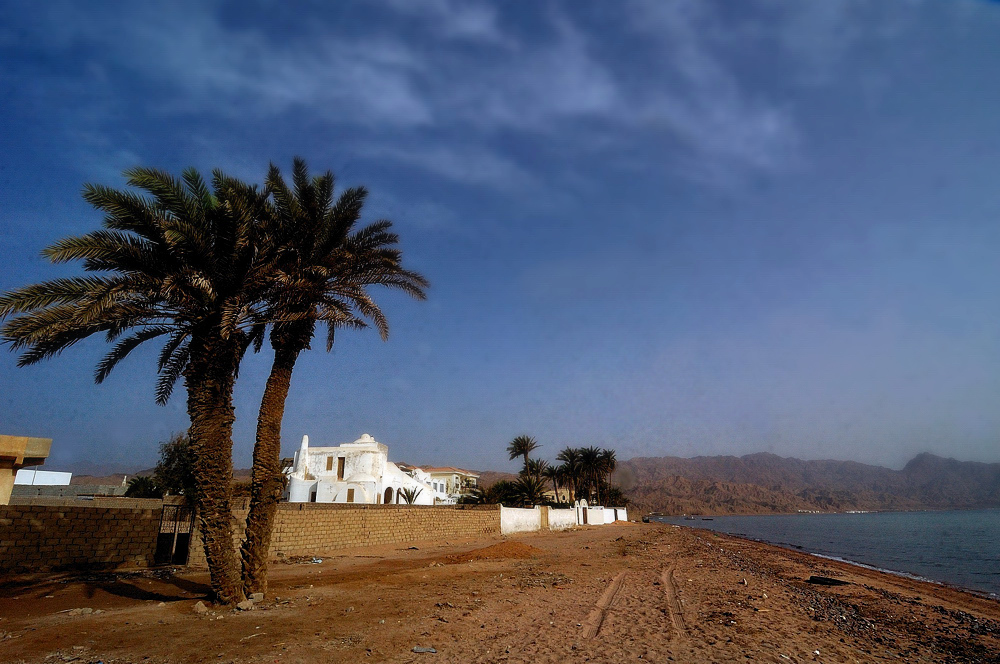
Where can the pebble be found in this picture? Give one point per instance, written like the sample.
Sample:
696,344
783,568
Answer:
200,608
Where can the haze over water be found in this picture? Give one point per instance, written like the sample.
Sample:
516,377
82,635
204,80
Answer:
959,548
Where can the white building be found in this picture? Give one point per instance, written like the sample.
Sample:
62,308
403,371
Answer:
358,472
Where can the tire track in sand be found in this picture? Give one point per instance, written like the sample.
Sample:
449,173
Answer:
600,610
674,610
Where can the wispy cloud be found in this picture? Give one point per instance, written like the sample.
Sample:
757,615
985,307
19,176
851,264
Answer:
470,21
727,126
469,72
466,164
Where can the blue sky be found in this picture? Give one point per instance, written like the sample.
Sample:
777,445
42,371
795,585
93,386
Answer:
666,227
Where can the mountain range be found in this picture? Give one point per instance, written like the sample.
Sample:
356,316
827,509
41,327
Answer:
766,483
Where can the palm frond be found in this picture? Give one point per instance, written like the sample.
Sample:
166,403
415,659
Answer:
123,348
171,372
48,293
167,352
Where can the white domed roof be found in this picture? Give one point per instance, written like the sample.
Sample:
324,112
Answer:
360,478
365,438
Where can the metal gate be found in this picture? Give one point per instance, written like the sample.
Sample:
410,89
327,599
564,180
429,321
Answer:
176,527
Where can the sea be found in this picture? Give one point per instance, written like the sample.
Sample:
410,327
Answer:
959,548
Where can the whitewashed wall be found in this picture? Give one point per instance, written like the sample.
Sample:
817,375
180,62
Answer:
519,520
562,519
609,515
595,516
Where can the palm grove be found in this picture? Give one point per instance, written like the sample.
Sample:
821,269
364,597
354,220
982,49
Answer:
584,471
213,271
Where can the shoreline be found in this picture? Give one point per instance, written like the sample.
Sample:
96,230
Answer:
608,593
925,545
985,594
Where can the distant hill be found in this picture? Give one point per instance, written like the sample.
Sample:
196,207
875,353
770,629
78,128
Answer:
488,478
766,483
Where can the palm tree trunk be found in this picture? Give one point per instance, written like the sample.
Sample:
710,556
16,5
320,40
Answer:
266,482
209,378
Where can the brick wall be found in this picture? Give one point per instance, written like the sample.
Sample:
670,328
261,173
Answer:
316,529
36,538
50,537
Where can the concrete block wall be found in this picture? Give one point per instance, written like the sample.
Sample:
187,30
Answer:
316,529
560,519
39,538
520,520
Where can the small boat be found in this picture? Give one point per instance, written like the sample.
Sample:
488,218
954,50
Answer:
706,518
689,518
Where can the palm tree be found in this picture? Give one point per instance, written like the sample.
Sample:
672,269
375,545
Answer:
410,494
522,446
608,464
554,474
535,467
590,464
186,265
530,490
324,266
570,457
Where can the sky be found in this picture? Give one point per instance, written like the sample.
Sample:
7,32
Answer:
666,227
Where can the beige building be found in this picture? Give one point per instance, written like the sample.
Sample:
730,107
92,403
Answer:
17,452
453,482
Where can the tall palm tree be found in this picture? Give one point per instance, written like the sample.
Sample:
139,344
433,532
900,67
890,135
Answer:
570,458
608,463
324,267
522,446
183,264
590,464
553,474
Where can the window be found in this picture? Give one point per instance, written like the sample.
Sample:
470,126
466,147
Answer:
350,495
312,497
340,468
329,463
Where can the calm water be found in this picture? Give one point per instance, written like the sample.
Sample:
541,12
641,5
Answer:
960,548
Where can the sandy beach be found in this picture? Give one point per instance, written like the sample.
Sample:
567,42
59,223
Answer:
627,592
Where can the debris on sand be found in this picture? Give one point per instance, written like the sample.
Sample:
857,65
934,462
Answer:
827,581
